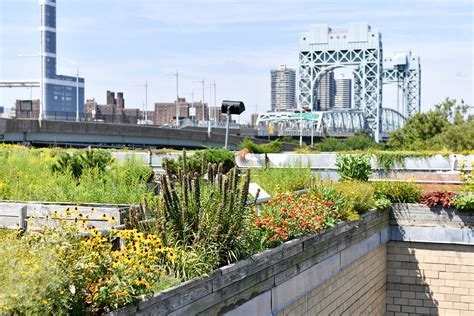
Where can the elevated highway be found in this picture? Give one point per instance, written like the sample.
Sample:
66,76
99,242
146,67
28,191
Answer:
83,134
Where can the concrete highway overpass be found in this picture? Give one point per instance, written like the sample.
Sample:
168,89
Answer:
82,134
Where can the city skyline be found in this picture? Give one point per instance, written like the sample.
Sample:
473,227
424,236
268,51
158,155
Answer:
235,45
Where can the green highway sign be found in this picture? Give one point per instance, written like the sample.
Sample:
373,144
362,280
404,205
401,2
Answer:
306,116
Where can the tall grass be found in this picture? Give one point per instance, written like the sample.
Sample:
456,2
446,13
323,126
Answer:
281,180
27,175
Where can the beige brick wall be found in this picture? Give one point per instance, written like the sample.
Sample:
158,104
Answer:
436,279
358,289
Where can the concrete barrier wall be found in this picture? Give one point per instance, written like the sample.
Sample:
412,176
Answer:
273,281
327,161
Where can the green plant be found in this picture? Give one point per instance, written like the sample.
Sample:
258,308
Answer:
198,161
353,167
328,190
281,180
290,140
358,196
27,174
305,149
398,191
209,216
77,162
388,159
270,148
464,202
467,176
382,204
361,141
331,144
31,282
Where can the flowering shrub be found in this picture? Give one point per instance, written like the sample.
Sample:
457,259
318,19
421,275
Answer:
288,216
83,270
443,198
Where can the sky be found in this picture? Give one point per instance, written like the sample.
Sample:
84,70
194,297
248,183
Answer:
120,44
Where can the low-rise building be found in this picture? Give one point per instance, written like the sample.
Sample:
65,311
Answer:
112,112
27,109
165,112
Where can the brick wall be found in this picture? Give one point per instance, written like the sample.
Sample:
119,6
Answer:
356,290
424,278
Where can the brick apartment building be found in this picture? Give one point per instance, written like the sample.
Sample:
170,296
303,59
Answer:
112,112
27,109
165,112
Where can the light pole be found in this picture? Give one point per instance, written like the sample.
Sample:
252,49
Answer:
215,99
177,98
209,110
146,85
77,94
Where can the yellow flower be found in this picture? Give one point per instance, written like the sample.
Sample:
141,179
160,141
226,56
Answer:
171,255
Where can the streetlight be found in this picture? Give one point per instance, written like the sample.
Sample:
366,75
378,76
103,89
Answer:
209,110
229,108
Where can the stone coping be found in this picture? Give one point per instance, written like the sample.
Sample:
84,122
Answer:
419,223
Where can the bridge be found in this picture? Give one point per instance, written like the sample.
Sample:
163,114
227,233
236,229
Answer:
358,50
83,134
337,123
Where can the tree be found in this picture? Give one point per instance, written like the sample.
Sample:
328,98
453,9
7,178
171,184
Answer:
445,127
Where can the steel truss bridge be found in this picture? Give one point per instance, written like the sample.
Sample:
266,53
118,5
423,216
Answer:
358,49
340,123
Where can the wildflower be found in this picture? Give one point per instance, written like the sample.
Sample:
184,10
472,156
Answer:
171,255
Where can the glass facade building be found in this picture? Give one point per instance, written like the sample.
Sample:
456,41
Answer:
62,96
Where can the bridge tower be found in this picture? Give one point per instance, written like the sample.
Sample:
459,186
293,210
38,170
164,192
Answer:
404,68
360,49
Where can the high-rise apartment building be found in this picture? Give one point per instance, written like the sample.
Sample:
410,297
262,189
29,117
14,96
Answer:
343,92
283,87
60,95
325,92
253,119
